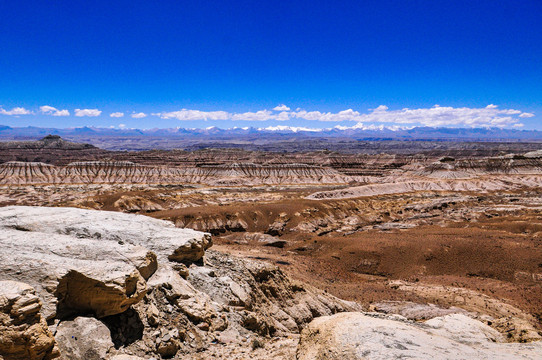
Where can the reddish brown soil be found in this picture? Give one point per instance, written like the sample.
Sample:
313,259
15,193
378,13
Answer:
358,266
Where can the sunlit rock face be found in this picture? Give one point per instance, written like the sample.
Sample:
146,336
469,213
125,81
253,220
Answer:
81,260
350,336
23,331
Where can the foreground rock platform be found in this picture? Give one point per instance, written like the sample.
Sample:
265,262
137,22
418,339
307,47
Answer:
89,261
350,336
119,286
87,284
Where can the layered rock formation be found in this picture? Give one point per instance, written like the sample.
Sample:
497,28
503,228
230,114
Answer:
125,172
399,186
50,148
23,331
53,160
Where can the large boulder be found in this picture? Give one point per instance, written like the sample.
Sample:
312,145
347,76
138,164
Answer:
73,275
24,334
83,338
87,261
350,336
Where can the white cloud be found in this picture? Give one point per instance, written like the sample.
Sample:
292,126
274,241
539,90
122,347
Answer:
490,116
117,114
281,107
345,115
261,115
50,110
139,115
16,111
383,108
436,116
87,112
283,116
186,115
122,126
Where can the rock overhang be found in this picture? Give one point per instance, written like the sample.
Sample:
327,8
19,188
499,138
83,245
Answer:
88,261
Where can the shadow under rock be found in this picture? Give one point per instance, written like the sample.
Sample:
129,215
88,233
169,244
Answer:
126,328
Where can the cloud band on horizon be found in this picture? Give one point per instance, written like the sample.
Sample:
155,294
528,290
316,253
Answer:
436,116
489,116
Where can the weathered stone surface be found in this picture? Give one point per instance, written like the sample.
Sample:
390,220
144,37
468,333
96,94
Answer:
74,275
159,236
272,303
415,311
86,261
126,357
24,335
84,338
351,336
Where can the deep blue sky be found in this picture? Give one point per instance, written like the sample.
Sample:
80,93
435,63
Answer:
245,56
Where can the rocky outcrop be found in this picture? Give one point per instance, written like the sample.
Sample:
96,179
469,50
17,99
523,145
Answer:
447,167
69,275
506,318
51,148
272,303
23,331
224,302
47,142
350,336
160,237
88,261
117,284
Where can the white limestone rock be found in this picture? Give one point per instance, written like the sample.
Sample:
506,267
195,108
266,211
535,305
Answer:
88,261
350,336
71,274
159,236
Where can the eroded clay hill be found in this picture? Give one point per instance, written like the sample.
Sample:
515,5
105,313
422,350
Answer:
56,161
124,172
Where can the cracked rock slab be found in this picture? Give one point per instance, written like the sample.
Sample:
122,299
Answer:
159,236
